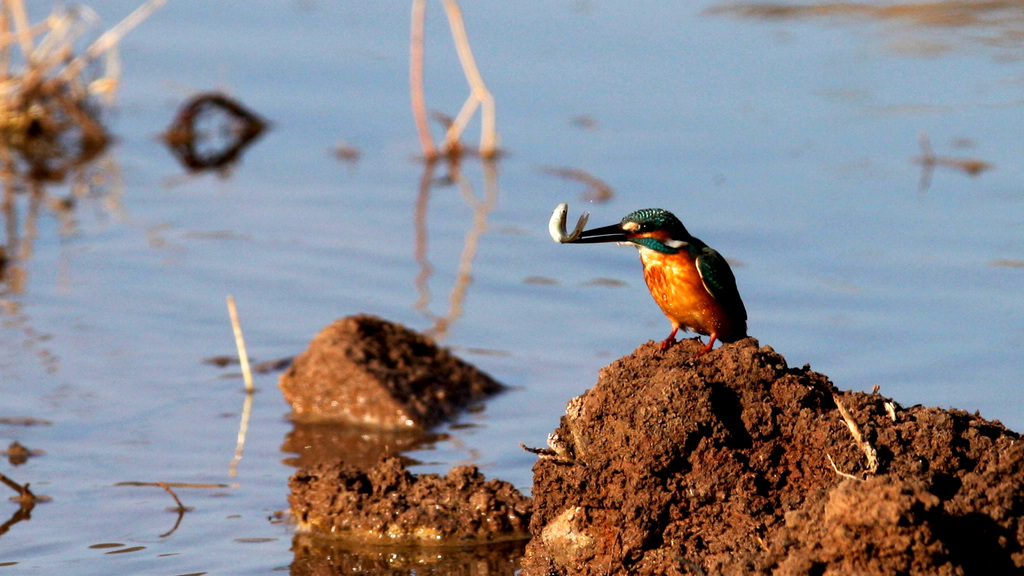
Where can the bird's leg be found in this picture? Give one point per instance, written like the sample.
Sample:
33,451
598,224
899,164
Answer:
668,342
711,342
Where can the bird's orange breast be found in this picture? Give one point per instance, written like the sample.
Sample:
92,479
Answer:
678,289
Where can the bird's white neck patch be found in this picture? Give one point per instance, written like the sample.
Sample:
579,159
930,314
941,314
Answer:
672,243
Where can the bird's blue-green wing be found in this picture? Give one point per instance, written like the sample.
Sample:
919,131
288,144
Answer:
720,282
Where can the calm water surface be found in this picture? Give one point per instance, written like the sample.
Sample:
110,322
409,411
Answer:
787,143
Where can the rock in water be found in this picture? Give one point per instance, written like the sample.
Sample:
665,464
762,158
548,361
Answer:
367,371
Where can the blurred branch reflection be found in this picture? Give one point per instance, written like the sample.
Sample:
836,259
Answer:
929,160
95,178
29,196
464,274
997,23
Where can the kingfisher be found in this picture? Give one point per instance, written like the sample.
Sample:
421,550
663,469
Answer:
690,281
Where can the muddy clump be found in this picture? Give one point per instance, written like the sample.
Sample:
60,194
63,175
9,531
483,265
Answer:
367,371
734,463
388,505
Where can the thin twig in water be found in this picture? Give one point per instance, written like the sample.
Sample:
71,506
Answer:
21,490
929,160
25,496
167,487
171,484
179,508
243,358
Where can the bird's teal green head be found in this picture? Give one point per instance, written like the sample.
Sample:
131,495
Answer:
651,228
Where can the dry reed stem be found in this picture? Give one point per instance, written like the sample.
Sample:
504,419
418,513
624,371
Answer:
243,358
479,95
840,472
419,106
864,445
22,30
47,113
890,409
172,484
109,39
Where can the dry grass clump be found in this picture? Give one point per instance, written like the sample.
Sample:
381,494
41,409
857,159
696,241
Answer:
52,74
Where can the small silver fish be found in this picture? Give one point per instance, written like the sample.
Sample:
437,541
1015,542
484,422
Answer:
556,226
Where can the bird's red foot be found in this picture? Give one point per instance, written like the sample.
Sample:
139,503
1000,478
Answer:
668,342
711,342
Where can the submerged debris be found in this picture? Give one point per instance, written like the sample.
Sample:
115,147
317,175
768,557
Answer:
367,371
388,505
929,161
17,454
211,131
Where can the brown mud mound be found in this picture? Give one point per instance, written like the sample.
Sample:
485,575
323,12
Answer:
367,371
389,505
723,464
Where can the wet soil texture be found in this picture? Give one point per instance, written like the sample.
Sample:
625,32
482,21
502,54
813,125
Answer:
367,371
723,464
388,505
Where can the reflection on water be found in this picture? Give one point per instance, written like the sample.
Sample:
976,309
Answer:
597,190
211,131
464,275
929,161
318,443
24,512
944,14
26,500
998,23
50,126
319,556
96,182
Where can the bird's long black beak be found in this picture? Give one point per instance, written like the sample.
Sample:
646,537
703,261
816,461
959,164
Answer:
613,233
